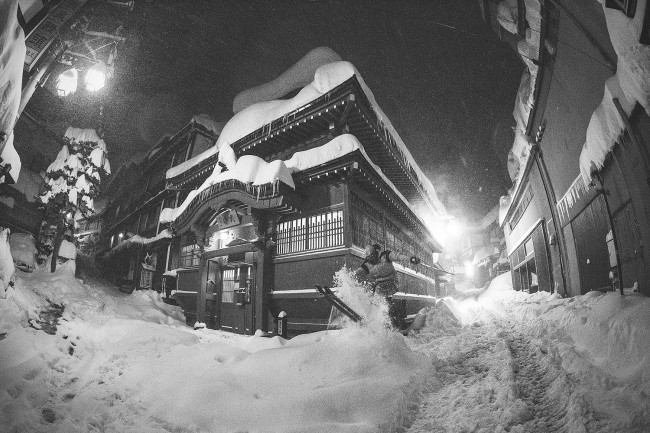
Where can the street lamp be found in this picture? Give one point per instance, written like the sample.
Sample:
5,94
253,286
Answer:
66,82
96,77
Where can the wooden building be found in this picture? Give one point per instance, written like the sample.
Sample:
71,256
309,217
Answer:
238,253
577,216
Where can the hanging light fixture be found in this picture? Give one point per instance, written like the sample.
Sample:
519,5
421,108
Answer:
96,77
66,82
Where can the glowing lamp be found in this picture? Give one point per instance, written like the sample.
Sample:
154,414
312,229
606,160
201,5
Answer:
96,77
66,82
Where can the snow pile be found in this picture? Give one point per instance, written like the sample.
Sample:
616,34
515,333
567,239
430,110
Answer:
373,308
299,75
23,250
334,149
248,169
497,361
67,250
510,361
6,263
12,57
633,68
630,84
137,239
121,363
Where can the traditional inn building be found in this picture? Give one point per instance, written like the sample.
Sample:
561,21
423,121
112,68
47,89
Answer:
281,202
578,215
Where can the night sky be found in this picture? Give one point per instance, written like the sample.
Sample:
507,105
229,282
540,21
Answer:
439,73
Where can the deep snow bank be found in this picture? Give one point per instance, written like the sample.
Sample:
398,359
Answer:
129,363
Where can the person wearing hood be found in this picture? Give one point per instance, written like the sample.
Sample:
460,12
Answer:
379,271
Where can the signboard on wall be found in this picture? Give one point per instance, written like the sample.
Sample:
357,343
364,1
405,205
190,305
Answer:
226,219
42,37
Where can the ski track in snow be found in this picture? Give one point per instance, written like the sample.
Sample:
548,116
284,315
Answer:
492,377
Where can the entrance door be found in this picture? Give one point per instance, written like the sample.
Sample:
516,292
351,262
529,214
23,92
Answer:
236,282
590,230
212,290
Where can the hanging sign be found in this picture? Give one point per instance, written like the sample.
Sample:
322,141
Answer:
41,38
226,219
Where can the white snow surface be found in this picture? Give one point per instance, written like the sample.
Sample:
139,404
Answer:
79,135
12,58
299,75
67,250
6,262
489,360
630,84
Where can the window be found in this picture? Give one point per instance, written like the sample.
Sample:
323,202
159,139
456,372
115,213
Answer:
628,7
146,277
153,216
230,283
156,182
313,233
201,144
179,156
190,256
526,197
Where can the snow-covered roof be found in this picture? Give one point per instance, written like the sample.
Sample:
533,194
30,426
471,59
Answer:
256,116
630,84
209,123
254,170
296,77
529,49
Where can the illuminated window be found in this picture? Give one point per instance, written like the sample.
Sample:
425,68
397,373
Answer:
316,232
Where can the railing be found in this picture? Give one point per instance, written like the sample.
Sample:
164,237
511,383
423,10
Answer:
312,233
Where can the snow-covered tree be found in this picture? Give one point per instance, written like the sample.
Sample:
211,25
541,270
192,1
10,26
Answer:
71,185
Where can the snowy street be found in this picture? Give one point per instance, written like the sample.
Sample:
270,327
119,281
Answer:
498,360
512,372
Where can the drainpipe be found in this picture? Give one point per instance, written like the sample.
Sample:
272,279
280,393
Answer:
551,198
600,186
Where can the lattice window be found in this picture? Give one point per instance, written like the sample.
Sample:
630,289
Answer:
230,283
190,256
316,232
526,197
146,279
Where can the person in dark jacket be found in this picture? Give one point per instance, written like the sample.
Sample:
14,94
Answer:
379,271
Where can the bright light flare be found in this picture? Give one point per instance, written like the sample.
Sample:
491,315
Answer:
66,82
469,269
456,228
96,77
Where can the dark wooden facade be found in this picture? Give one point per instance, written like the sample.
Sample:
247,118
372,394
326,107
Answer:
241,253
576,237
